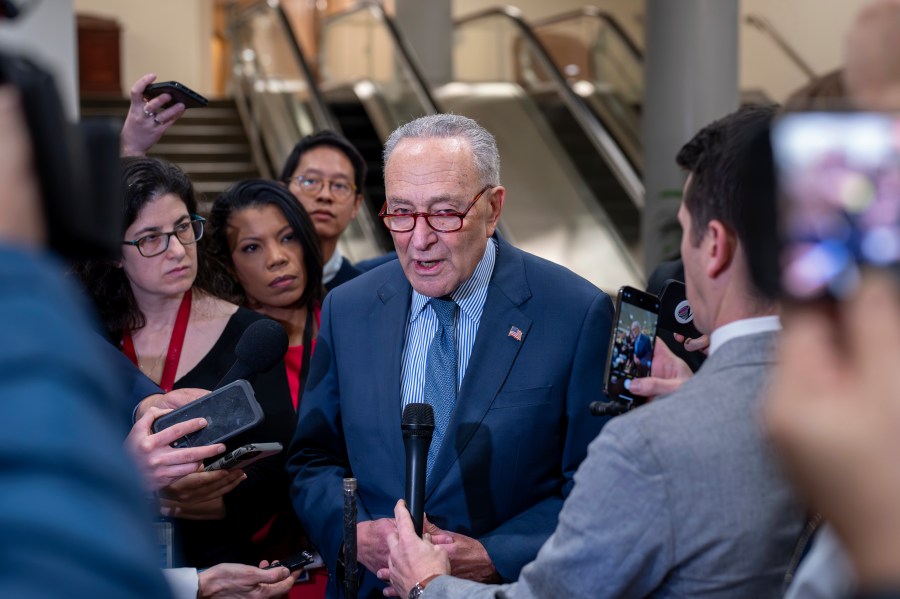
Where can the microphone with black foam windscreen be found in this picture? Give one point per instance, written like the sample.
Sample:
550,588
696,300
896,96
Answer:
260,347
418,427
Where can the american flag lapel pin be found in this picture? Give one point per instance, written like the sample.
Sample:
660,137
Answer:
515,332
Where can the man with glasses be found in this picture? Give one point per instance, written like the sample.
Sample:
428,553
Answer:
506,347
326,173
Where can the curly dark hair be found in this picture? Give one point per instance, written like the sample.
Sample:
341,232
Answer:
257,193
143,179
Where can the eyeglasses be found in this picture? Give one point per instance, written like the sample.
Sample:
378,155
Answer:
155,244
340,190
442,222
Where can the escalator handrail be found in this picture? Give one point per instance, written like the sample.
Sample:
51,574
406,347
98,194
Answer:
598,134
322,115
421,88
765,26
592,12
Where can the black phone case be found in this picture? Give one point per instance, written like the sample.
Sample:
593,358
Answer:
180,93
245,456
295,562
675,312
228,411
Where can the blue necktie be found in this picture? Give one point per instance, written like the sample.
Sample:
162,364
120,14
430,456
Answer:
441,373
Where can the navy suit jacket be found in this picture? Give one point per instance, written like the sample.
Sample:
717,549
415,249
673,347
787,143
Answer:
519,431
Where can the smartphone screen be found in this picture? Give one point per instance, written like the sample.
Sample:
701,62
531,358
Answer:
839,186
631,345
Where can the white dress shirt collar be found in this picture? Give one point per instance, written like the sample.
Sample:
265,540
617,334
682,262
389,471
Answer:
740,328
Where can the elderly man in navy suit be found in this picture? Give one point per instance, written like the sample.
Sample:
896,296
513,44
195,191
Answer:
508,348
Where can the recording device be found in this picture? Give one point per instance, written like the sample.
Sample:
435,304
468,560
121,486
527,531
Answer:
77,166
259,349
178,92
630,350
675,312
418,427
839,198
295,562
228,411
244,456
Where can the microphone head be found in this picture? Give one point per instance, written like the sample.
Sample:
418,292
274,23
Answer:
418,420
262,345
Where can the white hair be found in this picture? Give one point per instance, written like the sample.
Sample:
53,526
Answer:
448,126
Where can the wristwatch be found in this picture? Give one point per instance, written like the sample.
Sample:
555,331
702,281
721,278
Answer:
416,591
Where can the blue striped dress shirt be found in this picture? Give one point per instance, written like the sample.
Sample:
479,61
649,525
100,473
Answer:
423,324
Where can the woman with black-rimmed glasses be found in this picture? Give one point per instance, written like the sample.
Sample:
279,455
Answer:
156,307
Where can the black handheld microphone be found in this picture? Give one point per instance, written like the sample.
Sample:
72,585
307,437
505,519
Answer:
260,347
418,427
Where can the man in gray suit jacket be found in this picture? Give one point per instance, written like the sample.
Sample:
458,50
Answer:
681,498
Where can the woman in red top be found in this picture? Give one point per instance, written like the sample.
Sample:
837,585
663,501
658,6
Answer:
267,241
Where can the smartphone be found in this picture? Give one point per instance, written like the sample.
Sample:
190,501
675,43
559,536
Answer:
631,343
228,411
178,92
295,562
675,312
838,177
244,456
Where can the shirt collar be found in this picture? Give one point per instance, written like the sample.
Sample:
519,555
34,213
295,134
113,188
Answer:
741,328
468,294
330,269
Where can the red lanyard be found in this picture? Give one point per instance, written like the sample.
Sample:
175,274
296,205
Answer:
175,344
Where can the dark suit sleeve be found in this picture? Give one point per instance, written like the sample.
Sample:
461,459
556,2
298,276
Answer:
72,517
317,461
517,541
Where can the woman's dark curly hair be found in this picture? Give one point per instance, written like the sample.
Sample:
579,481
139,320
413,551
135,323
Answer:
258,193
143,180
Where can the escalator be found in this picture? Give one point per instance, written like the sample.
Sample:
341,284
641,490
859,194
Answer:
280,102
574,194
369,97
571,210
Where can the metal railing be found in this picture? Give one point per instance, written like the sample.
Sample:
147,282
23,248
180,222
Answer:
766,28
597,133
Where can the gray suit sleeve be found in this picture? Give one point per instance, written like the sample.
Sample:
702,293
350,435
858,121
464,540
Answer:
614,536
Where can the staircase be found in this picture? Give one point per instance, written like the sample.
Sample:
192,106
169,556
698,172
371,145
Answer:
209,143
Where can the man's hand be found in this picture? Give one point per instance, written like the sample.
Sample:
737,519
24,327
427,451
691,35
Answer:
372,543
170,401
411,559
162,464
147,121
468,557
238,581
834,412
696,344
667,373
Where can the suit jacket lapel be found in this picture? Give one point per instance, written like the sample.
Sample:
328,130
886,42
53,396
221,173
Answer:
388,325
492,357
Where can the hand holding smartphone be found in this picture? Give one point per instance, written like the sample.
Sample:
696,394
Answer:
295,562
244,456
228,411
631,343
178,92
